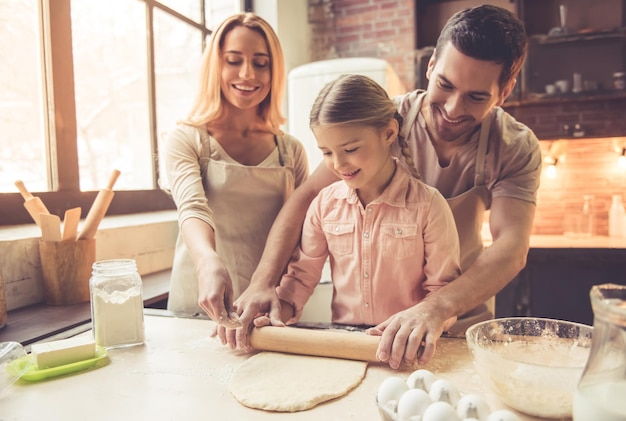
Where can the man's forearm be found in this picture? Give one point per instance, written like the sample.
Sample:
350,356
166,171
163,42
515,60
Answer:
494,268
496,265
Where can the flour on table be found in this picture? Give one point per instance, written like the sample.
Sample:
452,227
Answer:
287,383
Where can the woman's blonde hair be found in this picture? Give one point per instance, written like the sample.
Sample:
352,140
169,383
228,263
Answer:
358,100
207,106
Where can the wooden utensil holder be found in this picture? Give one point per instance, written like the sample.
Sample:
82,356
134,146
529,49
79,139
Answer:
66,269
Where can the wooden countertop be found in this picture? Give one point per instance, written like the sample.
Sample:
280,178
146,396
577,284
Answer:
567,242
562,241
41,321
182,374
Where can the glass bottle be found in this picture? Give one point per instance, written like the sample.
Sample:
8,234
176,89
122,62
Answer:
116,303
619,80
616,216
588,224
602,387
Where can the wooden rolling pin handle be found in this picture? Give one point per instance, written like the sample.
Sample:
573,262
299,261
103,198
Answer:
322,343
113,179
98,209
23,191
34,205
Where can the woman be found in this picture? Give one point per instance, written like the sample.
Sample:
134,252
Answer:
230,167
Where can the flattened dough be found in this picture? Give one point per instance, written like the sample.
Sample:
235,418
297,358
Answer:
287,383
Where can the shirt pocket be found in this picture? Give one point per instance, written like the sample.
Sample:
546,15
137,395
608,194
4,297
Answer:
399,241
340,237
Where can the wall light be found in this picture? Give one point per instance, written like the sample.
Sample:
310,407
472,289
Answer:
619,146
621,161
555,152
551,166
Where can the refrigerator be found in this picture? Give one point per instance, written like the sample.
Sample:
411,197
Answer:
304,83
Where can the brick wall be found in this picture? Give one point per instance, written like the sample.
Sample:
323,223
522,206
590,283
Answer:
602,117
365,28
386,29
585,166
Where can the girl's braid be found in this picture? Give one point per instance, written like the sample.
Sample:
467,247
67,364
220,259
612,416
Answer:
404,149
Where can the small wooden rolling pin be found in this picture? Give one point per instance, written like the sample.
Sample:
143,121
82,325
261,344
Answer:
347,345
98,208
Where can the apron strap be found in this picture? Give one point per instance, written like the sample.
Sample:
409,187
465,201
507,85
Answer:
284,154
481,153
205,141
483,139
411,116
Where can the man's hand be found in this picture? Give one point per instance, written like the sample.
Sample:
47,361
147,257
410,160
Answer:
410,334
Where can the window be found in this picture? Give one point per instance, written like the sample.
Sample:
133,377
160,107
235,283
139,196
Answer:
89,86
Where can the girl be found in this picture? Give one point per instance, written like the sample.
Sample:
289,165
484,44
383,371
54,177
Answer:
230,167
391,238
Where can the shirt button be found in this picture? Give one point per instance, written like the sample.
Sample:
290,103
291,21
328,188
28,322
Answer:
369,210
366,275
366,235
336,229
367,304
399,231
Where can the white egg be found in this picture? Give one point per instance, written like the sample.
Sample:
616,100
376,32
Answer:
444,390
503,415
391,389
440,411
472,407
413,402
420,379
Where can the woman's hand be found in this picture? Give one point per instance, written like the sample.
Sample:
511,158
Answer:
410,334
215,291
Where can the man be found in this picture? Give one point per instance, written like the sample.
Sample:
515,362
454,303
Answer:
467,147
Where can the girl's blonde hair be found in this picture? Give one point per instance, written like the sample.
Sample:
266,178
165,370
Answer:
207,106
358,100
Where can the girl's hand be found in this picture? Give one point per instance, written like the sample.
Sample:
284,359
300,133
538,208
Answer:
276,316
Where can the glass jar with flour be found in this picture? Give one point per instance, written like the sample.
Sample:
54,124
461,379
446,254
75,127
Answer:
116,303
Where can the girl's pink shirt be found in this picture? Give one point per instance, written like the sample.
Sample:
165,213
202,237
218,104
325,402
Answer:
384,258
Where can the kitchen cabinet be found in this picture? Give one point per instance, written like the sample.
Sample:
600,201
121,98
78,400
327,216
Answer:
567,37
589,41
556,282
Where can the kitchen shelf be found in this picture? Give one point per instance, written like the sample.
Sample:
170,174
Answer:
41,321
542,98
534,98
617,34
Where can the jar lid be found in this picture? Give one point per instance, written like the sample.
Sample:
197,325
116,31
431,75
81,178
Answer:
619,74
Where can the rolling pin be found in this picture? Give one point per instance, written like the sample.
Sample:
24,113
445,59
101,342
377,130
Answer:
33,204
347,345
98,209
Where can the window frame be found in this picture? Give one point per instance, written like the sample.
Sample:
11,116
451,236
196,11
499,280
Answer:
61,142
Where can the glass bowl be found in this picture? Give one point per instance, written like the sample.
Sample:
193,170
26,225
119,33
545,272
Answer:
532,364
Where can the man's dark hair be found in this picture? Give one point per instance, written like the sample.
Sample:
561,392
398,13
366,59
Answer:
487,33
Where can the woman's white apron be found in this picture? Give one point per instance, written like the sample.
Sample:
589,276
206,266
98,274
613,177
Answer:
244,201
